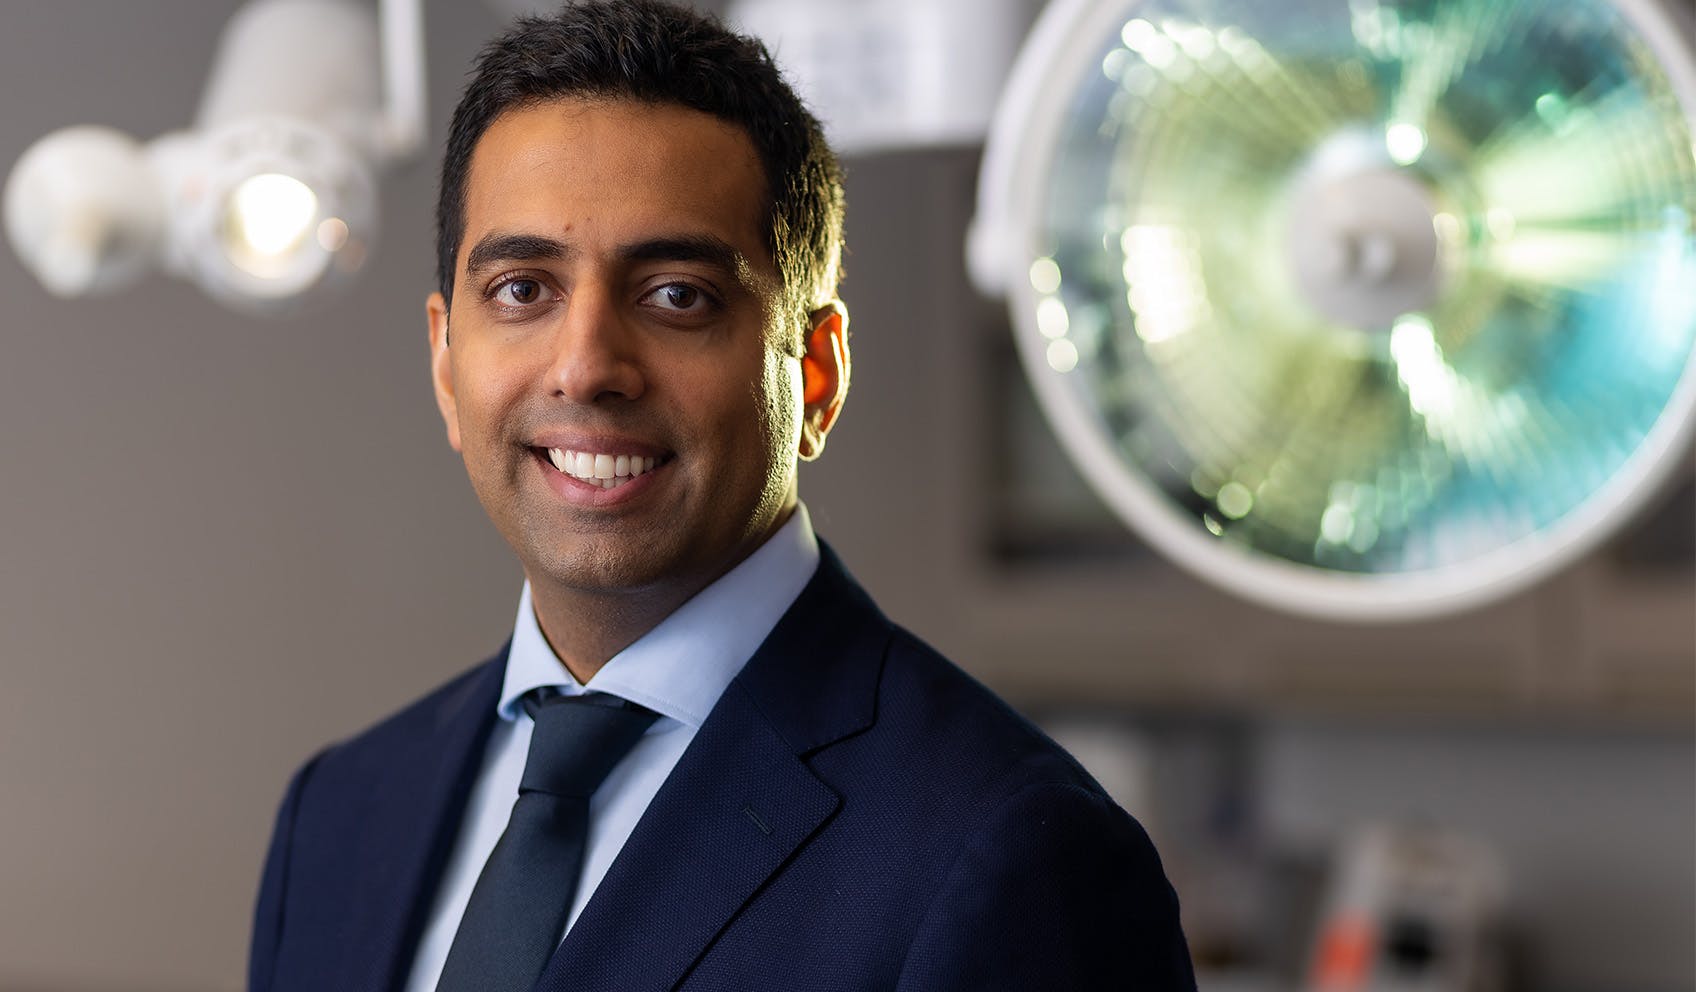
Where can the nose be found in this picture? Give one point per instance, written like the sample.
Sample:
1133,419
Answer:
596,354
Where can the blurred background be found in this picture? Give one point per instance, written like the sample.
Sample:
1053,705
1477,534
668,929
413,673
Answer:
227,540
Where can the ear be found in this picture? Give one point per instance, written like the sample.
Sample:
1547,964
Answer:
824,375
441,366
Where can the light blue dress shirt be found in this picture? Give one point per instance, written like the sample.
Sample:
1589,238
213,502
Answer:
678,670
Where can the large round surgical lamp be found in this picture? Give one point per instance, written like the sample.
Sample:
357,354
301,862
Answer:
1359,308
271,198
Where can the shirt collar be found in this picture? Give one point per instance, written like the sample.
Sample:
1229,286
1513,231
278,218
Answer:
681,667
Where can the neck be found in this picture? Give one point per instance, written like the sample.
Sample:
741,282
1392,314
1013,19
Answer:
587,627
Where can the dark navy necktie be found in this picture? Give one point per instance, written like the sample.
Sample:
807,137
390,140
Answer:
518,908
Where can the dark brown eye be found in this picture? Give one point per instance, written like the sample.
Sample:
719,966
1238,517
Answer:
519,292
680,296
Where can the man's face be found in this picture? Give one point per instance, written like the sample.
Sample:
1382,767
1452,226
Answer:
615,314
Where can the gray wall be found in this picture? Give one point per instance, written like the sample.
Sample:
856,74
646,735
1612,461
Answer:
224,542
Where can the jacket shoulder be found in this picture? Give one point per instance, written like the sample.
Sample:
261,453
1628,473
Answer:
975,735
361,836
421,721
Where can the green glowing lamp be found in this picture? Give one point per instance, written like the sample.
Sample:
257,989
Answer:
1368,310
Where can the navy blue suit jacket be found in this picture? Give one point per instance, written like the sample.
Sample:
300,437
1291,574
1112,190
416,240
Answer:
856,813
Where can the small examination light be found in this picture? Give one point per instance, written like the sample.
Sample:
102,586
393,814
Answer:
271,198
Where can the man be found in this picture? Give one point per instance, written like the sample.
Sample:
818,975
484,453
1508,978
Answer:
636,337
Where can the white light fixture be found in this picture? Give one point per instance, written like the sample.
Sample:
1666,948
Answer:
1370,312
884,75
271,198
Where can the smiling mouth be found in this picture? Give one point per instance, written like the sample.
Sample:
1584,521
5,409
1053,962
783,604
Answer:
599,469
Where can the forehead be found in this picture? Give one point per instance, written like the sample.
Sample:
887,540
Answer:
609,170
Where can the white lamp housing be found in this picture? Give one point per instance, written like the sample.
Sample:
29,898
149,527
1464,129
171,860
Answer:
885,75
272,198
267,210
85,211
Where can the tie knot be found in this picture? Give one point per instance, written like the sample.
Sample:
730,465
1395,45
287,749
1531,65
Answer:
578,740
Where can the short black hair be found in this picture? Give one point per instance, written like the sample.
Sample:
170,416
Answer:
655,52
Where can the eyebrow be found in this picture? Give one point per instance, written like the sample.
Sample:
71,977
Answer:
704,248
497,248
493,249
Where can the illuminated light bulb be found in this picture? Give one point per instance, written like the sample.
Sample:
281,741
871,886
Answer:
1113,63
282,211
268,219
1405,143
1052,318
1235,500
1062,355
1138,34
1337,524
1045,276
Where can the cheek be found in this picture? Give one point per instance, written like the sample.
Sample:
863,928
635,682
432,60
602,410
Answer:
485,394
470,417
775,425
780,412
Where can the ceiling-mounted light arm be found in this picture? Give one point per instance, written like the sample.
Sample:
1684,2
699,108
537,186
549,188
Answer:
354,67
316,62
401,23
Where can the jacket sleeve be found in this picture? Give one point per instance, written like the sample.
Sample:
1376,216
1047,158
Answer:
1060,889
273,888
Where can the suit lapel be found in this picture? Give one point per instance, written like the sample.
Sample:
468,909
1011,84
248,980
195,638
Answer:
732,811
740,803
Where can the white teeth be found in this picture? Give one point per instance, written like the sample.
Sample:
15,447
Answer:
606,471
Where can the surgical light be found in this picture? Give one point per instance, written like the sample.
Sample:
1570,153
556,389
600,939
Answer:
1374,309
270,199
269,218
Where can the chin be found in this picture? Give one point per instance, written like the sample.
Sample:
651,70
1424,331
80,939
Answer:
600,569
